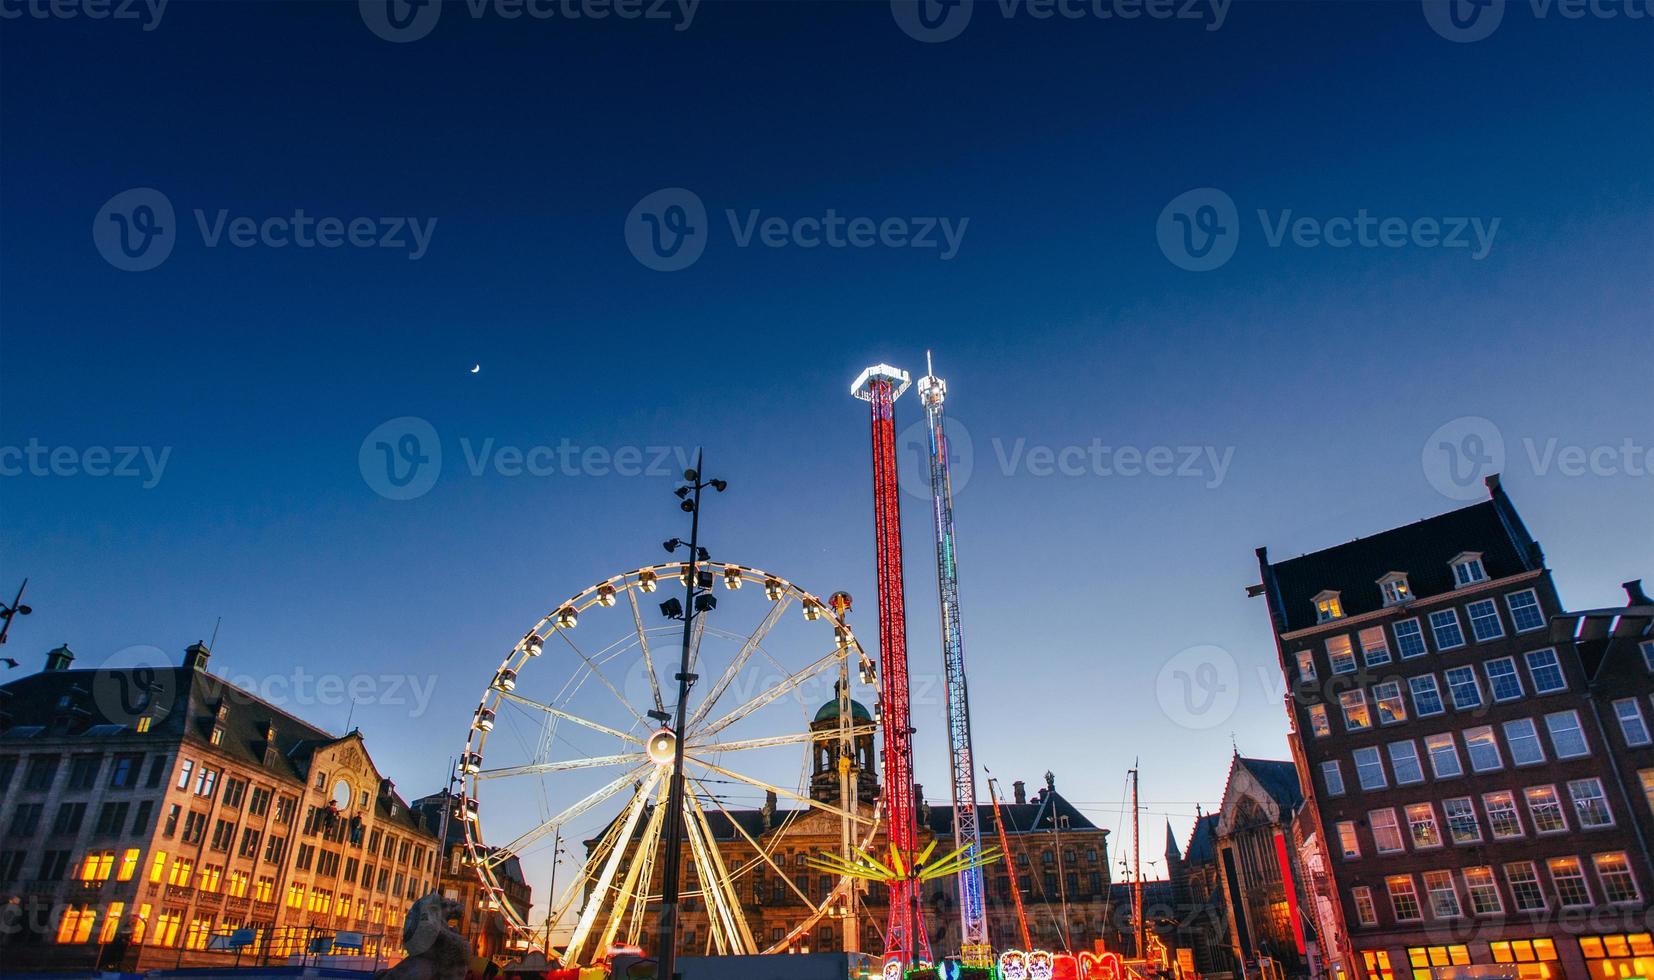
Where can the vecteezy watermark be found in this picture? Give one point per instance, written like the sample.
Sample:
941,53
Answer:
1468,21
1462,453
401,459
145,464
1097,458
402,21
935,21
147,13
1199,230
668,230
1199,687
136,230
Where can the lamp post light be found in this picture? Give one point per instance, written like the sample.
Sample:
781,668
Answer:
698,598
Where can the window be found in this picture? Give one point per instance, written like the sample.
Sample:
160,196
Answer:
1648,655
1318,723
1524,886
1632,726
1539,950
1386,831
129,865
1545,809
1443,897
1568,877
1365,912
1546,672
1328,608
1387,699
1484,620
1444,755
1378,964
1374,649
1347,842
1404,898
76,924
158,866
124,773
1461,684
97,866
1523,739
1483,749
1306,665
185,769
1590,805
83,771
1423,958
1404,762
1427,698
1467,569
1340,654
1356,716
1618,884
1502,679
1394,587
1369,769
1410,639
1332,774
1421,825
1461,820
1484,894
1567,740
1445,624
1524,611
1501,815
25,820
179,874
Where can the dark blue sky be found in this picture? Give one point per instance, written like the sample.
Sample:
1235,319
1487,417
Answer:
1319,375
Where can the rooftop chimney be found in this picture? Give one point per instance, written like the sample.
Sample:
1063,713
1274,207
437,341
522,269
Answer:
1019,791
195,656
1635,595
59,659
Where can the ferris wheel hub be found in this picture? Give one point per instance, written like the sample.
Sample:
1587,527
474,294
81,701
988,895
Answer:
662,747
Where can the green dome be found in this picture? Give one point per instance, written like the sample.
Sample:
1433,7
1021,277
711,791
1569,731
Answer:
829,712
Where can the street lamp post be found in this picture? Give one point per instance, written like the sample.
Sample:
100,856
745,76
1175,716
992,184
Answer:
696,601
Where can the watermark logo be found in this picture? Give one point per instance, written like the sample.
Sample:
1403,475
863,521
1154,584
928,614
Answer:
142,463
667,230
1460,454
1464,21
135,230
401,458
149,12
400,21
403,21
1199,687
913,443
932,21
135,682
1198,230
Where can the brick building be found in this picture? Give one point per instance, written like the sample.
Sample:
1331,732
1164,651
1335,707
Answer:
1470,781
485,927
150,815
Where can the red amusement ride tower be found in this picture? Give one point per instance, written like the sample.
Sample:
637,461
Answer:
905,942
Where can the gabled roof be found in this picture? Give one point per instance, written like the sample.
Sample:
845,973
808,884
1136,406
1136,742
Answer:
1423,550
1203,840
1278,779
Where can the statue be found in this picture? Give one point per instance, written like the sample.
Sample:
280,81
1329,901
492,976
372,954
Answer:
435,950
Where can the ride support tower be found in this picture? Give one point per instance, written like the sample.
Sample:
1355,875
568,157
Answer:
975,948
906,942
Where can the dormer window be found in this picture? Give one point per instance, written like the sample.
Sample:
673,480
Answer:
218,736
1328,607
144,723
1394,587
1467,569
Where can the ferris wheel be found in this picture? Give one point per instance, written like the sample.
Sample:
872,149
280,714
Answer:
569,742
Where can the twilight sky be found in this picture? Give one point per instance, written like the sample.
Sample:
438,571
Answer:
1011,183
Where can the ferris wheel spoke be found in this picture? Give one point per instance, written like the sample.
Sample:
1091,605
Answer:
752,643
501,854
633,891
602,677
763,854
714,884
566,716
797,738
779,791
643,643
766,697
594,762
600,889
